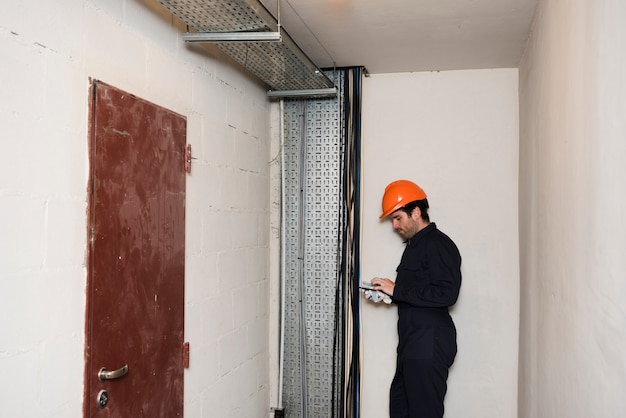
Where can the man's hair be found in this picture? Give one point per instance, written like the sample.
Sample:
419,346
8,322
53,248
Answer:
422,204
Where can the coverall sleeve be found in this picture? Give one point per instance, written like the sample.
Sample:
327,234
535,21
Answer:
432,280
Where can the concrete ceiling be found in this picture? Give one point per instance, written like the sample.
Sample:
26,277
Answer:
389,36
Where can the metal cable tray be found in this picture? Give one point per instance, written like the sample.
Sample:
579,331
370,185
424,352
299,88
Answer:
281,64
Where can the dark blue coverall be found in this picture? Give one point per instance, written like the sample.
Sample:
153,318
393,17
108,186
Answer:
427,283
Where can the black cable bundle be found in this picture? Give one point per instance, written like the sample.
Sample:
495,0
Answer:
347,294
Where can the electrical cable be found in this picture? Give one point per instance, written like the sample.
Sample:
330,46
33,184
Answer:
348,306
356,109
354,264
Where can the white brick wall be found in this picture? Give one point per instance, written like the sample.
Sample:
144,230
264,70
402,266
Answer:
50,50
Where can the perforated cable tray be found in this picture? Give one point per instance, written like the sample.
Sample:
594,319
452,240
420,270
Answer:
282,65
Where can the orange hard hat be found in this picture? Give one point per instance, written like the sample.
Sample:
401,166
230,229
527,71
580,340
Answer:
400,193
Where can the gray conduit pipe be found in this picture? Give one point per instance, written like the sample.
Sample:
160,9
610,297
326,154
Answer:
301,253
283,255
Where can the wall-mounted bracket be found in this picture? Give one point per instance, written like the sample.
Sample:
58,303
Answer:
310,93
233,37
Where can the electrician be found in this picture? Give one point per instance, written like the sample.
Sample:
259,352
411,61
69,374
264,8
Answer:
427,283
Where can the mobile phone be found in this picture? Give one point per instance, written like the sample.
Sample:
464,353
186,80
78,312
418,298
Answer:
367,286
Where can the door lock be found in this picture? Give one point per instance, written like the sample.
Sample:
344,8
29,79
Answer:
102,399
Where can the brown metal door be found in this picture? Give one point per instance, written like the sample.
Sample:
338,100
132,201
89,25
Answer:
136,255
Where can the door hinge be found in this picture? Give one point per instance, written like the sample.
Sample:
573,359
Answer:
188,158
186,355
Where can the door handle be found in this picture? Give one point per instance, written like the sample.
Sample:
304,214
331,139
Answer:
103,374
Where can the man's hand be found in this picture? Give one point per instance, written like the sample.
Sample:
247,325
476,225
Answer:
384,285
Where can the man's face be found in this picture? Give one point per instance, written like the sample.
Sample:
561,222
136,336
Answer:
406,226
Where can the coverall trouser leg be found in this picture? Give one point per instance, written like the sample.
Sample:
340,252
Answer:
419,386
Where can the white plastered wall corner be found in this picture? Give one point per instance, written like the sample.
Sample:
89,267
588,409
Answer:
572,204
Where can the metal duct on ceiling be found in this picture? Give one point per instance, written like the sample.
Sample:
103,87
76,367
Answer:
282,65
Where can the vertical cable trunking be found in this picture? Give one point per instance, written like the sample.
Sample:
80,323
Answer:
321,357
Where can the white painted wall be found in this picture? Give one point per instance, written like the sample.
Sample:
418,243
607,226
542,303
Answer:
49,51
572,205
456,135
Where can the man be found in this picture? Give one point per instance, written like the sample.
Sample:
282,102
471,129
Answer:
427,283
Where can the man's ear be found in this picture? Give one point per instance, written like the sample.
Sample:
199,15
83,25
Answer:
416,214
